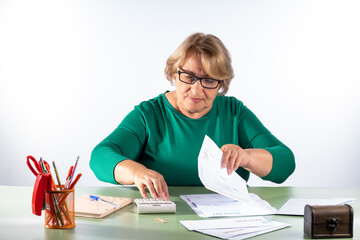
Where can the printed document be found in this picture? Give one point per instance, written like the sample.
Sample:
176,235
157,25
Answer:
218,205
232,198
234,228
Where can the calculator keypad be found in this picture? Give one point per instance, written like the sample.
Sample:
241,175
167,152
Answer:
154,205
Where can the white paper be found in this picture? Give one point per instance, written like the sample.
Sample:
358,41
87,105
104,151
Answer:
243,233
231,199
216,178
224,223
217,205
234,228
252,234
233,186
295,206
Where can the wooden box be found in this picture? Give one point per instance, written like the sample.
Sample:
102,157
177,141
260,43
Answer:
332,221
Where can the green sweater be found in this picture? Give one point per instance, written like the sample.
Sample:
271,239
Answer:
156,135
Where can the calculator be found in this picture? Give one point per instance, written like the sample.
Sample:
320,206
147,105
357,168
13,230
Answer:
154,205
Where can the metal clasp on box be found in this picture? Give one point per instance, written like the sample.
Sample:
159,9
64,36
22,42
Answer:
332,224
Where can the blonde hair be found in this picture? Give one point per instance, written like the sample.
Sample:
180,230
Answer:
215,58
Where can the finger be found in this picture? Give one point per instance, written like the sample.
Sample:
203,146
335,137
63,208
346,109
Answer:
158,189
225,159
152,190
165,191
167,196
231,162
142,190
237,163
161,188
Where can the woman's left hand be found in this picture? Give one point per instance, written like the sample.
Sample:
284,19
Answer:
234,157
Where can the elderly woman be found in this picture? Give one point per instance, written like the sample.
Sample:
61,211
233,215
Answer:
158,143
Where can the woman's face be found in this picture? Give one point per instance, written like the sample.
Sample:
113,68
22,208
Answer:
193,100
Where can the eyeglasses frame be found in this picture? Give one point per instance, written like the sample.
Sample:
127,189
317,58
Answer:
200,79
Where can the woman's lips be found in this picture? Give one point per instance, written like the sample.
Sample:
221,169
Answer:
194,99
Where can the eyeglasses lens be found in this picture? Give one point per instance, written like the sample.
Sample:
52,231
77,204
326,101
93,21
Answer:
205,82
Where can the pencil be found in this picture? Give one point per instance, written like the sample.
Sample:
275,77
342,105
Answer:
55,212
57,176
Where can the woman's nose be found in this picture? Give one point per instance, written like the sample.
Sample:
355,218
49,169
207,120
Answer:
196,88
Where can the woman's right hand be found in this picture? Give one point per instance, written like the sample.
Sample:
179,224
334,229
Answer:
129,172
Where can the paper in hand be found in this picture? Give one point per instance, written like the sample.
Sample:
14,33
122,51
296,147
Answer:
217,179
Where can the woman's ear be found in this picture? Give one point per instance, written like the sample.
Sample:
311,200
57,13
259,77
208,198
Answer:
173,79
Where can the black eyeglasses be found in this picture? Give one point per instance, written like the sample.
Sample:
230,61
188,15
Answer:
189,78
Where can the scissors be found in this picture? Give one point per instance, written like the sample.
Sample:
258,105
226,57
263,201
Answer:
41,170
37,169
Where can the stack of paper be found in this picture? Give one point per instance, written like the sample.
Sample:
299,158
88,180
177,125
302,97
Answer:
234,228
231,199
217,205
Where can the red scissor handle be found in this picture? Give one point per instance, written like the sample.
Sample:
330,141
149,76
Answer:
41,185
36,164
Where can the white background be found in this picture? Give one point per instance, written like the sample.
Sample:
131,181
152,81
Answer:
71,70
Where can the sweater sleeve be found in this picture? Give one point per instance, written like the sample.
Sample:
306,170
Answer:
253,134
125,142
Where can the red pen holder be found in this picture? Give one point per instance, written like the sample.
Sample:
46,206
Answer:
59,209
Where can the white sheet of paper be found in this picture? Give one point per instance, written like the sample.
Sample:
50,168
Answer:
242,233
295,206
233,186
216,178
252,234
224,223
237,228
218,205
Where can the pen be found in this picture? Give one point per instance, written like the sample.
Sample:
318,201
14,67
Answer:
43,166
68,177
75,181
69,173
73,170
76,162
99,198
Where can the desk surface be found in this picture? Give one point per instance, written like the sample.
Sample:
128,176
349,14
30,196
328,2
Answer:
18,222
